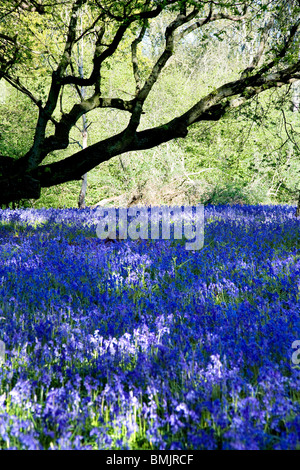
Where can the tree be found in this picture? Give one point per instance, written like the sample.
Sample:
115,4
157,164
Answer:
26,58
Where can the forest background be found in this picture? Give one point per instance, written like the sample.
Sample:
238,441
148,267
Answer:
250,156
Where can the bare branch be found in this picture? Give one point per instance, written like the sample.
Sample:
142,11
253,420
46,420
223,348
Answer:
36,153
196,25
135,66
126,15
209,19
96,74
245,87
7,63
99,17
99,58
60,139
18,85
167,53
9,38
71,37
9,12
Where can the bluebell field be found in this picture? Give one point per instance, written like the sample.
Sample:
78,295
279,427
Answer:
145,345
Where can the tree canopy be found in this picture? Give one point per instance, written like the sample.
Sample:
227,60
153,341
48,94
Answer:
39,43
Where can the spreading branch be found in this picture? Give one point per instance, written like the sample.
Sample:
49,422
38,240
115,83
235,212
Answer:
212,107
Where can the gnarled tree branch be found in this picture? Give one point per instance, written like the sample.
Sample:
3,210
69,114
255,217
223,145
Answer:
25,177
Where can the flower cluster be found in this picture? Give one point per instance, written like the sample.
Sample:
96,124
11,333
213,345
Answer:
144,344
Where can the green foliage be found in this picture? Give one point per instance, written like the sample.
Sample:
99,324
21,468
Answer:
250,156
18,118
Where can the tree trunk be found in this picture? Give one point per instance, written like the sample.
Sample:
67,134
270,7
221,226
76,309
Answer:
295,109
81,199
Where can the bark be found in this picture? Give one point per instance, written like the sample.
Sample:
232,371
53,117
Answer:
18,188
